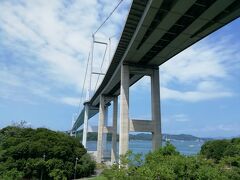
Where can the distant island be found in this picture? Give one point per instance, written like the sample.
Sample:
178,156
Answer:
92,136
171,137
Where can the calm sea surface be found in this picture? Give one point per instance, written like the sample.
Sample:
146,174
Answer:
140,146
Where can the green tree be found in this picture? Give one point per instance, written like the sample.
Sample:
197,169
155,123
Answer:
215,149
58,174
219,149
12,174
32,153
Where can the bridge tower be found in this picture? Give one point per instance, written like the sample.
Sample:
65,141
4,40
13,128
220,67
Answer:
87,105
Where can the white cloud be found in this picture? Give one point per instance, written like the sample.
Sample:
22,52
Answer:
222,128
73,101
49,42
199,73
195,95
181,118
193,64
203,60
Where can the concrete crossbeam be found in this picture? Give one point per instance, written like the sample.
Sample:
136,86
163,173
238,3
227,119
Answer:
108,98
140,125
138,69
107,129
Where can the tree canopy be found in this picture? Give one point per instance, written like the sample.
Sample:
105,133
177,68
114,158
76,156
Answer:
34,153
168,164
219,149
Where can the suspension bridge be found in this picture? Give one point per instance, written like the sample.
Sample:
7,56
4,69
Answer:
154,32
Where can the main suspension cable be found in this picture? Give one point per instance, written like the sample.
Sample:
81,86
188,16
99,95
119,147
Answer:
108,17
81,100
89,52
85,76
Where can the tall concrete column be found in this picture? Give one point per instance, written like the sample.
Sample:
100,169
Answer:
156,112
104,133
85,126
124,114
114,132
100,129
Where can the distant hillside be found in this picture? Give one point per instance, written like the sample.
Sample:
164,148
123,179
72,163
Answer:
185,137
92,136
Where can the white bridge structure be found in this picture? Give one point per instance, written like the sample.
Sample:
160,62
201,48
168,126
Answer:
155,31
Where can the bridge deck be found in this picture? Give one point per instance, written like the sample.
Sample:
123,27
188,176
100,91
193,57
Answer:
157,30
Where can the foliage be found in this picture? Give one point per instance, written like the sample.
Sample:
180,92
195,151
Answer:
167,163
12,174
31,153
58,174
218,149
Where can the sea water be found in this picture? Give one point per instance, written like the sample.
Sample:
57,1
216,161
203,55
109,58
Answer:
142,146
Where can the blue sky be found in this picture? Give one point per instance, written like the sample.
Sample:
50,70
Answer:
43,52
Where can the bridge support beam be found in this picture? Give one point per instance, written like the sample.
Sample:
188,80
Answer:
156,112
100,129
85,126
124,113
114,131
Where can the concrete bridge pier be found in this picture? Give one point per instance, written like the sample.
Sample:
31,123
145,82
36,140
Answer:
114,131
127,124
100,129
85,125
103,128
124,110
136,125
104,140
156,110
